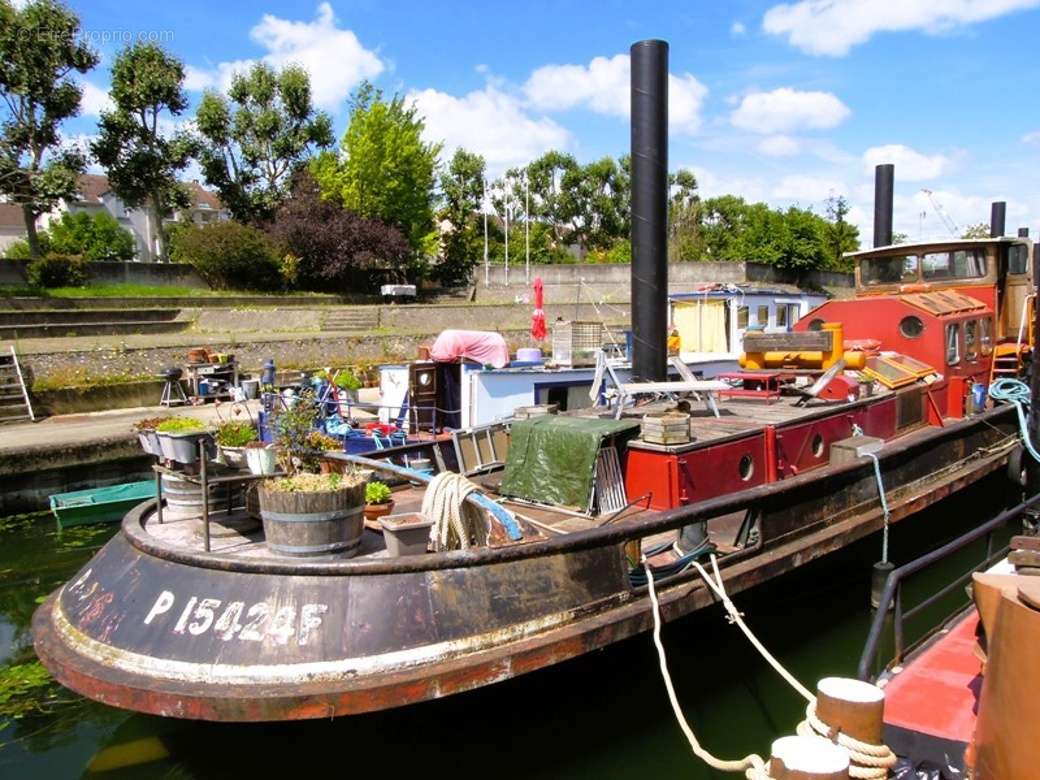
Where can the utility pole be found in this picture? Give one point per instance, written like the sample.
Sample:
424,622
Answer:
527,228
487,265
505,213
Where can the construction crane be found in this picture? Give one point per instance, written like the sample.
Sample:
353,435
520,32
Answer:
946,220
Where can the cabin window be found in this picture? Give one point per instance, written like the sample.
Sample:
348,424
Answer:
746,467
1018,259
953,344
763,316
888,270
781,316
742,317
960,264
911,326
786,315
816,324
986,335
971,339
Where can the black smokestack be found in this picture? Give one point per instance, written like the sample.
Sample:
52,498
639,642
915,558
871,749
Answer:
1023,232
996,219
649,209
884,179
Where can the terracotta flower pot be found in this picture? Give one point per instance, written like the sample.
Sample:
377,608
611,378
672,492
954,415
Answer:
374,511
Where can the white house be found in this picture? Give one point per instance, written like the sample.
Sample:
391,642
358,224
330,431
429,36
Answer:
95,195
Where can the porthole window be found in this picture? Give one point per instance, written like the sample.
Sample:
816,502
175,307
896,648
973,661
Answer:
747,467
817,446
816,324
911,326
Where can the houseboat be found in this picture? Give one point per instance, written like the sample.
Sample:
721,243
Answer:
862,414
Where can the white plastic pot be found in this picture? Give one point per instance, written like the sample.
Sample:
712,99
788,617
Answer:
261,460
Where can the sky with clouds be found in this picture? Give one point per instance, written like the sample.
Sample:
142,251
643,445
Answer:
790,103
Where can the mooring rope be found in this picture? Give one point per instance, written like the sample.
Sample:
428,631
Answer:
1016,391
884,504
753,767
868,761
457,523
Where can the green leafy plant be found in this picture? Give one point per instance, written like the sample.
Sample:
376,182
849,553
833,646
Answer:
236,434
56,270
150,423
292,425
177,425
348,380
377,493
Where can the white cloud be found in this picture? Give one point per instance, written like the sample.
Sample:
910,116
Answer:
94,99
910,165
779,146
808,189
334,57
603,86
833,27
1033,138
786,109
737,29
489,122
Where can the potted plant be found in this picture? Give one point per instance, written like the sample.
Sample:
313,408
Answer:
179,438
406,534
145,430
314,514
232,437
317,444
378,501
292,425
261,458
348,383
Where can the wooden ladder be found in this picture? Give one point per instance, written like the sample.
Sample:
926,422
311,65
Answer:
1007,362
14,397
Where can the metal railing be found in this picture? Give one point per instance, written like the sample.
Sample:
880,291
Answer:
891,598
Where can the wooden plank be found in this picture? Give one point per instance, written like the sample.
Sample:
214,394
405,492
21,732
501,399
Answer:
1025,543
809,341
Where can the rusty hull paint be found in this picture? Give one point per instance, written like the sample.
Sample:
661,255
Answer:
603,609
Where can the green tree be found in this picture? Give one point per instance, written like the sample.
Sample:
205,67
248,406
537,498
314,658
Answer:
593,199
386,170
980,230
143,162
839,235
462,189
683,216
253,139
548,202
40,48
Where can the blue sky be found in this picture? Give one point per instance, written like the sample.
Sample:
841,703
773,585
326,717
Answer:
783,102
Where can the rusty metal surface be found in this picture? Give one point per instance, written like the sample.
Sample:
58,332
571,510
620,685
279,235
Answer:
157,632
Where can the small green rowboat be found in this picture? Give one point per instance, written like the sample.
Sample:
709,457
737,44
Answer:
100,505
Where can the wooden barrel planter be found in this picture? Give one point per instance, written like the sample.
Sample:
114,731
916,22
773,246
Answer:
184,499
313,523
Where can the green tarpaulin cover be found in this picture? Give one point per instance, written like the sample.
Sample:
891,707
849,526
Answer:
552,459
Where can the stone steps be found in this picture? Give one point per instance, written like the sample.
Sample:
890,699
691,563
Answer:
62,329
15,317
363,319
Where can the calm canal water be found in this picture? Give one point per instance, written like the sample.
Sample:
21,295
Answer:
601,716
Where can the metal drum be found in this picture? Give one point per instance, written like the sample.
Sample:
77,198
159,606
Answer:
184,499
308,524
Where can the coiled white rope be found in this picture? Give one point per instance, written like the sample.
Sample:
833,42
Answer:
457,524
869,761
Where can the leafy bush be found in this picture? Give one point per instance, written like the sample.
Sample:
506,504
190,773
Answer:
236,434
95,237
620,252
331,244
181,425
317,483
229,255
377,493
150,423
56,270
